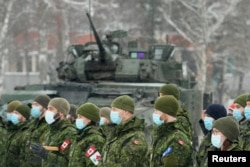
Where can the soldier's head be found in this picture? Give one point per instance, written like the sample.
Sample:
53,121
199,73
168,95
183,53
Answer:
11,107
87,114
58,108
225,131
105,115
165,109
240,104
39,106
169,89
213,112
122,108
20,114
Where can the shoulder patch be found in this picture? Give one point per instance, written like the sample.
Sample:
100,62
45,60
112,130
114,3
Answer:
167,151
181,142
136,142
65,144
93,154
90,151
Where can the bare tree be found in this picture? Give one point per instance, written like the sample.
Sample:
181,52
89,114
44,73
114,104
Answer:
3,36
197,21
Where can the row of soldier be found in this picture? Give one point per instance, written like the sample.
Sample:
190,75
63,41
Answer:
225,130
113,136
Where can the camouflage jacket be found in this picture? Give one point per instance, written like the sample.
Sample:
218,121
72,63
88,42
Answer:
234,147
3,134
11,128
171,147
14,144
60,134
89,138
244,139
37,127
108,129
183,119
201,154
126,146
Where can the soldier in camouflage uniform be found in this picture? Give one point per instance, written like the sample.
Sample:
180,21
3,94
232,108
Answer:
37,127
240,104
239,113
244,139
224,137
171,147
126,145
212,113
10,108
182,114
105,122
85,150
15,142
10,128
55,149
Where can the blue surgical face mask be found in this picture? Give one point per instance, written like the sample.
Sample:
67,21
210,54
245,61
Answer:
247,113
35,112
208,122
102,121
49,117
115,118
237,114
80,124
157,120
9,115
14,119
216,141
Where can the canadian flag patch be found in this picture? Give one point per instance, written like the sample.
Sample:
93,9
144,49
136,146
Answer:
93,154
90,151
65,144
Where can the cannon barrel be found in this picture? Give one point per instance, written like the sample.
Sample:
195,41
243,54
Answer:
102,53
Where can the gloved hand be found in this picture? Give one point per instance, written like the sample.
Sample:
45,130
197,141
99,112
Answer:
39,150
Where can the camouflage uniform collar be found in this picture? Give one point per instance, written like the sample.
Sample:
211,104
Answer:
10,125
19,126
234,147
131,124
82,132
166,127
91,129
38,120
85,130
244,122
59,124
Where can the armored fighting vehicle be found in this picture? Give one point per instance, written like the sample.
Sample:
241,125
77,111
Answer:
98,72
